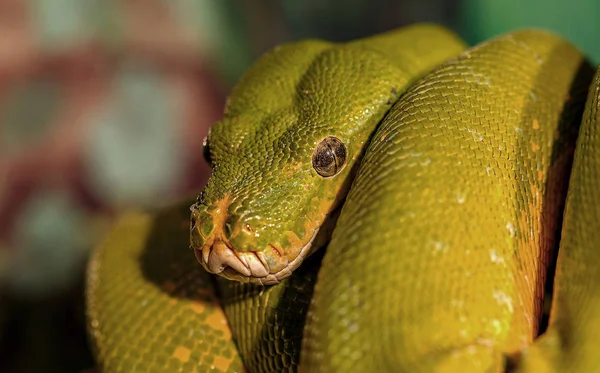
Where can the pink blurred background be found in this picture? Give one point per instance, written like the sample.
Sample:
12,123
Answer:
102,108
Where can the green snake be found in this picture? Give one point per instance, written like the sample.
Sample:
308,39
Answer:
436,176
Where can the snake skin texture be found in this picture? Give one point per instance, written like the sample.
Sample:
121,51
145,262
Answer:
572,341
264,199
439,257
150,308
267,321
459,166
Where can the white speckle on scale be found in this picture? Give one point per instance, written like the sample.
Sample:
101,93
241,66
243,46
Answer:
476,135
440,247
486,342
511,229
497,326
529,319
532,96
503,299
460,198
457,303
495,257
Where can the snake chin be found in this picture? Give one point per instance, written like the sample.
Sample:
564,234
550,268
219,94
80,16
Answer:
264,267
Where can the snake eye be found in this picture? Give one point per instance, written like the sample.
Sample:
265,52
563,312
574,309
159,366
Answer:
206,150
329,157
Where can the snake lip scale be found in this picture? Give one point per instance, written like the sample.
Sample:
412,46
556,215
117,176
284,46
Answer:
217,257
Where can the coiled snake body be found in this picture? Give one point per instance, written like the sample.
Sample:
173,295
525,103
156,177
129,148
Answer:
442,173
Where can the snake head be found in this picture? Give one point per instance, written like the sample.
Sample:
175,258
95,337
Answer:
257,220
284,155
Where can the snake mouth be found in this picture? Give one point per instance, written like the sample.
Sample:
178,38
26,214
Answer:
263,267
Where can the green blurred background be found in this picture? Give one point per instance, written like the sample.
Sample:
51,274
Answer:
103,107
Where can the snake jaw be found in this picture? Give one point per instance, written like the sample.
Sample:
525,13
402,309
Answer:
220,251
264,267
219,256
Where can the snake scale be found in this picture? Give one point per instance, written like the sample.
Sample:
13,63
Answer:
446,183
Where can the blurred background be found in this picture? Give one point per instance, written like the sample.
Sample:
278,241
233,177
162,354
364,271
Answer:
103,107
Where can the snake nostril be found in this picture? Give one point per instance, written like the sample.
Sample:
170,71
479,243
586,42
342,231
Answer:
243,235
230,225
237,227
228,229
